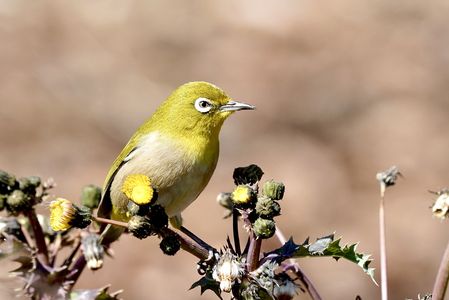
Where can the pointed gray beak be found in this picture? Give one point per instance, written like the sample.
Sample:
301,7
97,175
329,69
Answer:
235,106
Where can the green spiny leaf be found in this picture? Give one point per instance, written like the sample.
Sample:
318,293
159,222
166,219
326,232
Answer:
325,246
208,283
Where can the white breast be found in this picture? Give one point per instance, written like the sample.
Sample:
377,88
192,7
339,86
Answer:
178,175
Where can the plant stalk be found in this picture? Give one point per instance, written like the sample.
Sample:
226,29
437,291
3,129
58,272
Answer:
41,245
383,248
441,282
253,252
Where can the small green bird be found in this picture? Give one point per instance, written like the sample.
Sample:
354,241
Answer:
177,148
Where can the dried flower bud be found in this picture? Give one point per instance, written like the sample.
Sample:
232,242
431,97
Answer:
224,199
26,186
140,227
64,215
7,182
252,291
170,245
286,288
440,208
274,190
243,195
387,178
18,202
3,201
158,217
93,251
264,228
227,270
247,175
90,196
267,208
34,181
137,187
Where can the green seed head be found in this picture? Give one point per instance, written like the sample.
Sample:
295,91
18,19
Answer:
90,196
267,208
18,202
274,190
264,228
7,183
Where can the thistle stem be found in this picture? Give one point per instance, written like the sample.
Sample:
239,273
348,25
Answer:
190,246
441,282
383,247
195,238
235,230
42,252
308,285
253,252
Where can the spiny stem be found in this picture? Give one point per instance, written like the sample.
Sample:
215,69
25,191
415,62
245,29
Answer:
439,289
195,238
109,221
42,252
308,285
190,246
187,245
383,247
253,252
235,230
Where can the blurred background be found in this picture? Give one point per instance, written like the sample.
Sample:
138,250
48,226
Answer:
343,89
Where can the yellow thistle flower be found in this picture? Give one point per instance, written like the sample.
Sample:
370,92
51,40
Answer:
242,194
62,213
137,187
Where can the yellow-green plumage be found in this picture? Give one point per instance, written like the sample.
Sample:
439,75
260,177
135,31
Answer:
177,148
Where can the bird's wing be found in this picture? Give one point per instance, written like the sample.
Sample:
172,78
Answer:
105,207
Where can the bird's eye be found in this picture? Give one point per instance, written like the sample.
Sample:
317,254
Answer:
203,105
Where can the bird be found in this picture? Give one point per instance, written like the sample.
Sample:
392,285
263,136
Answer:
177,148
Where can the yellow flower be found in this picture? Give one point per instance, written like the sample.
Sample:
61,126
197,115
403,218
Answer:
62,213
242,194
137,187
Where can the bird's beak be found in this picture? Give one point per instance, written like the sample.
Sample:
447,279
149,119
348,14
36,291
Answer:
235,106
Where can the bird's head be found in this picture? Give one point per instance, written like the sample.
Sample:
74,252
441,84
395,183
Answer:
198,108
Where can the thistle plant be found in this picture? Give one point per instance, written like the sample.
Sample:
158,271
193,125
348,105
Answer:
241,270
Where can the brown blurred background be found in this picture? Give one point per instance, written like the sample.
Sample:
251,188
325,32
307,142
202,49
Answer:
343,89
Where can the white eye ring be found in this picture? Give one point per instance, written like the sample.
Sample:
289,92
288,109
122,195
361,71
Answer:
203,105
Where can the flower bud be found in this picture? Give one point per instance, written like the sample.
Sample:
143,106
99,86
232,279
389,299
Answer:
247,175
18,202
90,196
157,216
267,208
140,227
227,270
286,288
34,181
440,208
170,245
274,190
225,200
26,186
264,228
7,182
64,215
93,251
243,195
